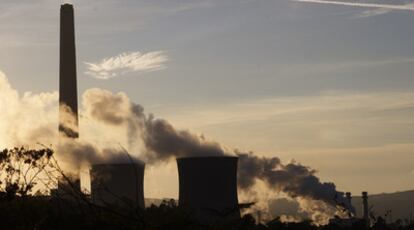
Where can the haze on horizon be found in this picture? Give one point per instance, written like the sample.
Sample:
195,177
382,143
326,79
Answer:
328,85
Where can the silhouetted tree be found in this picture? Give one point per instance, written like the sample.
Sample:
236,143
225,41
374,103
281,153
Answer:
21,170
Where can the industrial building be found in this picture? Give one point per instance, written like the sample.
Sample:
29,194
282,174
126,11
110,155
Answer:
118,184
208,186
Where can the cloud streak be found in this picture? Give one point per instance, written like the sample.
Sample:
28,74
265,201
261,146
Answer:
127,62
373,12
361,4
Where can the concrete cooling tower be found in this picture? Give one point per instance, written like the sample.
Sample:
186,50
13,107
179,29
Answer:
208,186
118,184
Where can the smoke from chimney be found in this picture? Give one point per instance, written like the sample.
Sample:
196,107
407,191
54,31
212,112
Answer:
157,138
163,142
160,140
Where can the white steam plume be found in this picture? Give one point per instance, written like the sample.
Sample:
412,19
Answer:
163,142
27,118
32,118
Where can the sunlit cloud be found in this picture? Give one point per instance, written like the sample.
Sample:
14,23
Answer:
127,62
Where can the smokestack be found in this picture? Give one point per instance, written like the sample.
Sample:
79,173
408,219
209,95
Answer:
349,197
208,186
351,211
68,94
118,184
365,207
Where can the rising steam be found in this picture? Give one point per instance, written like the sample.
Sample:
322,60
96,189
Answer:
293,179
32,118
163,142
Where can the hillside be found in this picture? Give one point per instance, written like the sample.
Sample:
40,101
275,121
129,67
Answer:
401,204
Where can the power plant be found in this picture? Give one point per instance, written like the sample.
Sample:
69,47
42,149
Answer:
111,183
118,184
208,186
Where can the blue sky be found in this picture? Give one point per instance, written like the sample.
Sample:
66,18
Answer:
329,85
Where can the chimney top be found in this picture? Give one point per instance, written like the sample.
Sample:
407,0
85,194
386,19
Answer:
191,158
364,194
66,6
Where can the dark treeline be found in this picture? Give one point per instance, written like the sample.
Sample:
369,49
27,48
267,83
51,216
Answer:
27,176
40,212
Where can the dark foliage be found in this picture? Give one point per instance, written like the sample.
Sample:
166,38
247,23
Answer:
22,169
24,207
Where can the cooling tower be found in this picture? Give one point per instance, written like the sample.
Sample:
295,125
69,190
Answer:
118,184
208,186
68,94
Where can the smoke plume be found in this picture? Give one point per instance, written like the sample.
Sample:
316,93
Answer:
32,118
163,142
160,139
293,179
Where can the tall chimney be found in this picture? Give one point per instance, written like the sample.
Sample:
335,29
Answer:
365,207
350,212
68,93
349,197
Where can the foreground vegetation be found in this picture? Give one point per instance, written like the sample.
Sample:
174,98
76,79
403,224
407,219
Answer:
26,174
49,213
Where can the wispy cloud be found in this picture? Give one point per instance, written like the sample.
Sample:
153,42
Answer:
373,12
336,119
319,68
286,108
409,6
126,63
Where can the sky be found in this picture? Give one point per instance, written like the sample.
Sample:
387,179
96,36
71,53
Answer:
327,84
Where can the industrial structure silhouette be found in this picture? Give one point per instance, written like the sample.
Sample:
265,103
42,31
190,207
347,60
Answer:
118,183
68,92
207,185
